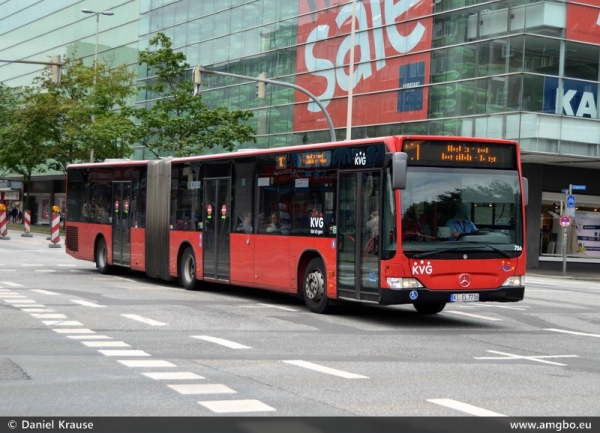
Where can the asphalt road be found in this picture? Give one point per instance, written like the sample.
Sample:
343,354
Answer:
74,342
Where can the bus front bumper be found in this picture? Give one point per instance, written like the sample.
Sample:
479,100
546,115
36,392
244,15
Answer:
426,296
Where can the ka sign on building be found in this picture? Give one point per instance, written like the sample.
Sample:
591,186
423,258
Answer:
579,98
583,23
387,75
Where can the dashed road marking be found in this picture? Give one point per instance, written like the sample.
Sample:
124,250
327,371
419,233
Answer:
143,320
73,331
213,388
89,337
277,306
237,406
105,344
45,292
149,363
464,407
20,301
69,266
327,370
124,353
475,316
45,271
12,296
32,265
26,305
8,283
510,356
62,323
49,316
87,303
183,375
585,334
222,342
37,310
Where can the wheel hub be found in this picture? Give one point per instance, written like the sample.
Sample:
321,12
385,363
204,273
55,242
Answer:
314,286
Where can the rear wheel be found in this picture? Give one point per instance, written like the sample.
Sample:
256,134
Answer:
430,308
102,257
187,270
314,290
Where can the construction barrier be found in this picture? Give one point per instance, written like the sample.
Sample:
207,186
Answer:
55,231
27,225
3,229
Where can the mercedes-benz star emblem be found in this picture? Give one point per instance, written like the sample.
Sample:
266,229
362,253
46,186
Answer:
464,280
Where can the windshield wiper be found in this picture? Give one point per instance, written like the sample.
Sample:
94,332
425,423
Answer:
504,253
443,250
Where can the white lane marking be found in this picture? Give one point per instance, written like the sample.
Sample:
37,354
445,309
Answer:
277,306
45,292
37,310
87,303
105,344
227,343
149,363
125,279
73,331
143,320
476,316
8,283
89,337
327,370
46,271
31,264
484,304
548,291
12,296
62,322
572,332
28,305
213,388
20,301
510,356
7,270
48,316
233,406
184,375
70,266
124,352
463,407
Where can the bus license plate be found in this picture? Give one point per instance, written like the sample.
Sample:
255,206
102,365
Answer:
464,297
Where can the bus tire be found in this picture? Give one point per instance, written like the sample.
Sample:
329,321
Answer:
315,287
187,270
430,308
101,257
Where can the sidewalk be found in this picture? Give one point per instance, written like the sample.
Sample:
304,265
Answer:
576,274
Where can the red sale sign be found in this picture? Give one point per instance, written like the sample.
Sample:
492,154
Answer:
388,70
583,23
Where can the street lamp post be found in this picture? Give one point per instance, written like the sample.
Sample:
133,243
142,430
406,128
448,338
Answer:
89,11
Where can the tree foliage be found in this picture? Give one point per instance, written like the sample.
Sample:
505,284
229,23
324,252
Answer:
175,120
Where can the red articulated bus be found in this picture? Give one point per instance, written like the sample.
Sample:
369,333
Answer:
422,220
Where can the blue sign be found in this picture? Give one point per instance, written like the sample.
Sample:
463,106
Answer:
578,99
570,201
578,187
409,98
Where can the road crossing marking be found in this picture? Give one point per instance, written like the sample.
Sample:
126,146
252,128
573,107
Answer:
476,316
327,370
213,388
89,337
62,322
11,295
87,303
28,305
572,332
143,319
149,363
73,331
222,342
19,301
510,356
8,283
463,407
45,292
48,316
124,352
168,375
37,310
236,406
105,344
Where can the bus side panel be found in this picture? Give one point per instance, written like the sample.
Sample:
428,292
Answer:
86,239
324,247
242,259
178,237
138,246
272,264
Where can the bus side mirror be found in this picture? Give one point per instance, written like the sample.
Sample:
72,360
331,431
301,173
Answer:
525,191
399,166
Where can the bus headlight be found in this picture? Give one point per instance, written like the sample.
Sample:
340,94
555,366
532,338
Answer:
403,283
517,280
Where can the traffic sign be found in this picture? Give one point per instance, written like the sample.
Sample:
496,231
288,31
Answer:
565,221
578,187
570,201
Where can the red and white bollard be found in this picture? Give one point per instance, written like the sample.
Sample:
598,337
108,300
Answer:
55,231
3,229
27,225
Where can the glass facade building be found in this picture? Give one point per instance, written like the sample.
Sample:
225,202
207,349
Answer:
526,70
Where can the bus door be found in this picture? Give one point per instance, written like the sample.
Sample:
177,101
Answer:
358,235
121,242
216,227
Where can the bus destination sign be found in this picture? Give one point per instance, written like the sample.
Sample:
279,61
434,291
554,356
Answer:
314,159
460,154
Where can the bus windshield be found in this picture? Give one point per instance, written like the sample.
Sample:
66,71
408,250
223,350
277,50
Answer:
450,212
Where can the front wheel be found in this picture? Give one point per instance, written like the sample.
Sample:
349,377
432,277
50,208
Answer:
187,270
314,290
102,258
430,308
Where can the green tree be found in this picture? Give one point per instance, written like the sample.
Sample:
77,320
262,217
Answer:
90,111
7,105
176,121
